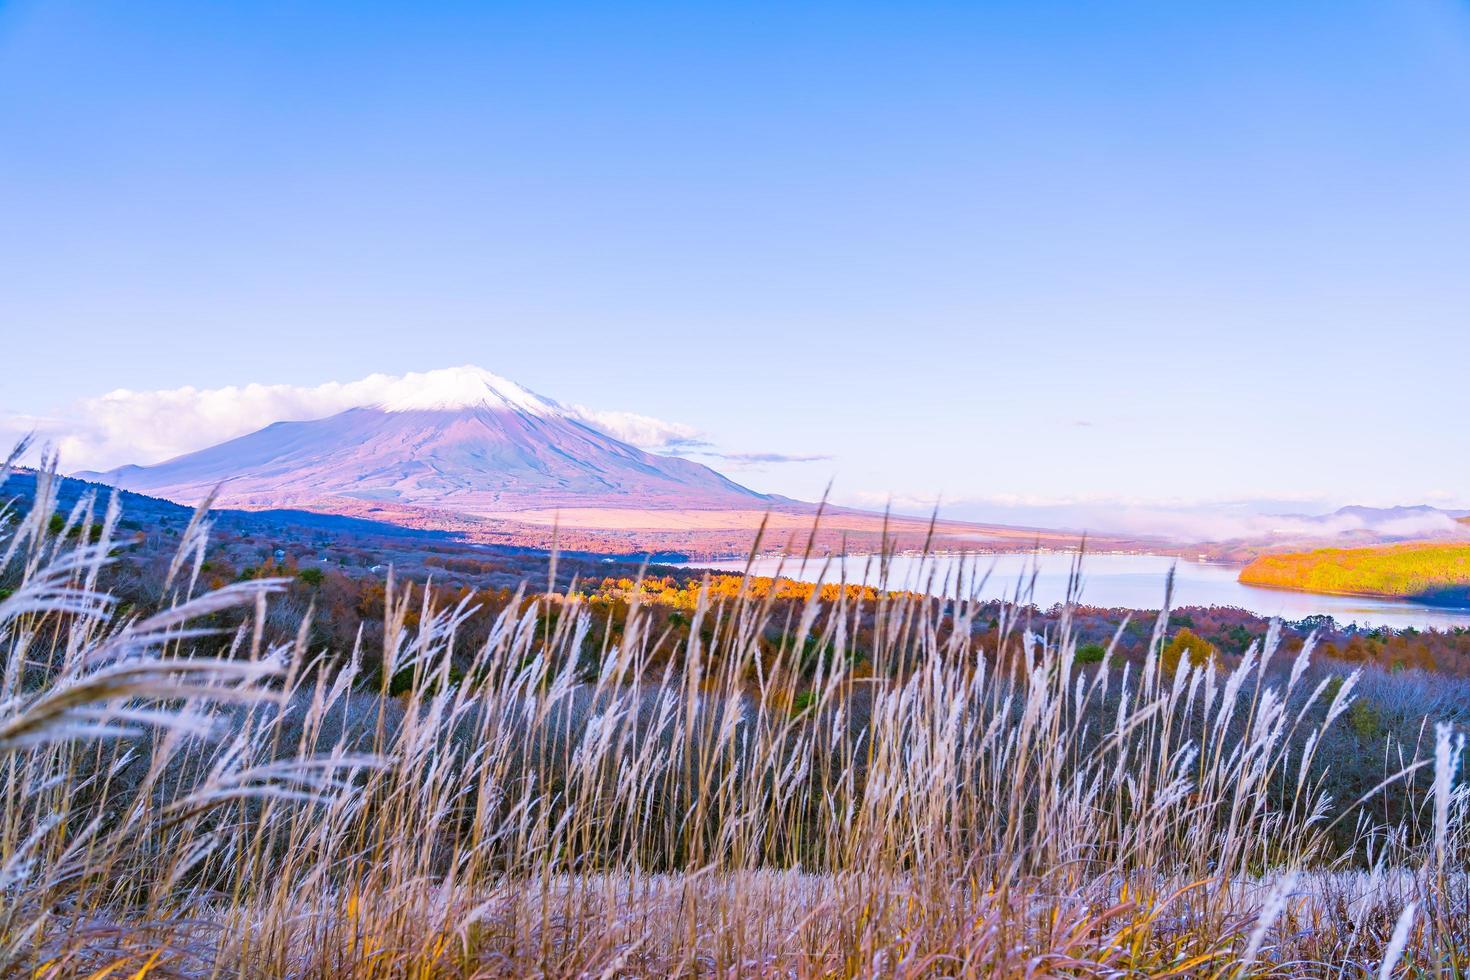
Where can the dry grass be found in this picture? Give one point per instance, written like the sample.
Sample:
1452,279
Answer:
256,812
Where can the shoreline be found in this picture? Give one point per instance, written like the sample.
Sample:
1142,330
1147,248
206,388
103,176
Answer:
1416,600
1121,579
703,563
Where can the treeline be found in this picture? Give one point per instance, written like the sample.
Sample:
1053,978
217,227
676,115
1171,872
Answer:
345,605
1430,571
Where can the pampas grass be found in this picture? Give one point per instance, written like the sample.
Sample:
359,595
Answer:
180,801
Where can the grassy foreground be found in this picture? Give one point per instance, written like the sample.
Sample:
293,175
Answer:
1429,570
179,802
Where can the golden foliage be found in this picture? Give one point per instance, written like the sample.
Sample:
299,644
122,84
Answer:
1186,641
1401,570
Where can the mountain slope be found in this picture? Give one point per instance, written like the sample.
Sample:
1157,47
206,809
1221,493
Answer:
473,444
467,453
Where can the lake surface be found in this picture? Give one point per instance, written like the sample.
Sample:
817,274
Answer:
1131,581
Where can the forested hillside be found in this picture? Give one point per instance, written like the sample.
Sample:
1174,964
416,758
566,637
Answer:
1431,571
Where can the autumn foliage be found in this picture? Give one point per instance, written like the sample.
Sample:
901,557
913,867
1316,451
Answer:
1425,570
1186,644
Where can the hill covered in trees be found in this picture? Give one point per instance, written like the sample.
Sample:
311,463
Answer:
1430,571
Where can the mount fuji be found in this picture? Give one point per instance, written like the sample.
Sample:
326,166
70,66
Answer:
461,440
467,453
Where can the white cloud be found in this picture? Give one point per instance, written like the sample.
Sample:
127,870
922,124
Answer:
642,431
125,426
747,461
1185,520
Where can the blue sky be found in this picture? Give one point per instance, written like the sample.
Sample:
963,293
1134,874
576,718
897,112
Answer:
1013,254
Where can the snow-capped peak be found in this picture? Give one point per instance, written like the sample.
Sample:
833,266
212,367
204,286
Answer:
479,453
462,387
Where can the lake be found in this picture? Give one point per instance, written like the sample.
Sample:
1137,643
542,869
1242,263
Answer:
1130,581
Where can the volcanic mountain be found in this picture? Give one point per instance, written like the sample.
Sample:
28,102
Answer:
469,453
471,443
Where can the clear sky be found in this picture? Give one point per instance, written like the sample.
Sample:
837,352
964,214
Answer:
1004,252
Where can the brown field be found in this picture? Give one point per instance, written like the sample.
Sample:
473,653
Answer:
709,534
